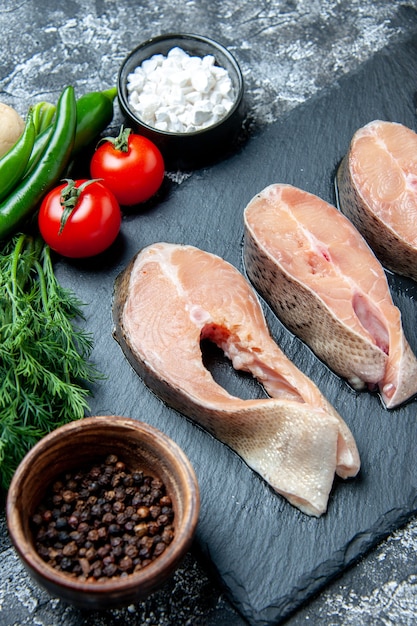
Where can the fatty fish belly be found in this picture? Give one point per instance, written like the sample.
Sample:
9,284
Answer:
169,299
323,281
377,191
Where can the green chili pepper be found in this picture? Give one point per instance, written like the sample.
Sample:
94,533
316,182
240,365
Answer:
26,196
13,163
43,114
94,113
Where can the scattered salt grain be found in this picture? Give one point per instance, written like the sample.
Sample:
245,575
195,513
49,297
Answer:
180,93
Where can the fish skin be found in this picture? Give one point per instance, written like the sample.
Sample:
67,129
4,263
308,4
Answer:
299,308
389,245
343,344
294,439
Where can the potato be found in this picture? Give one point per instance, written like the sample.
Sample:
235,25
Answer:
11,127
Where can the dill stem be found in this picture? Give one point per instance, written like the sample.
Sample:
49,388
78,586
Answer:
16,256
42,283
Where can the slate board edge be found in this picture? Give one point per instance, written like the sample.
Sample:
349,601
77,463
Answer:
329,571
309,587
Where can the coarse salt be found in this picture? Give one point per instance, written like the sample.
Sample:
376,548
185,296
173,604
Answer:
180,93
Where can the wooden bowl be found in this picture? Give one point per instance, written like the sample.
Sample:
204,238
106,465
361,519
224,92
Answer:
74,446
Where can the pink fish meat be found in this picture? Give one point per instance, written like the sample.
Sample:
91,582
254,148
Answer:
166,302
323,281
377,191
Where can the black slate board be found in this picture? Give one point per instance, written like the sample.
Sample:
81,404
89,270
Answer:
271,557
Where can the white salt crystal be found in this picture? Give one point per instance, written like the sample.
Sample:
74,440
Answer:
193,97
149,65
148,104
176,52
181,78
200,118
208,61
202,81
180,93
216,98
219,111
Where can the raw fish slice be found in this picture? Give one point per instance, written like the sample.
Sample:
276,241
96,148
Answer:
168,300
377,191
323,281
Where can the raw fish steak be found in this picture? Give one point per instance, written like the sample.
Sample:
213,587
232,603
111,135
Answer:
172,297
377,191
323,281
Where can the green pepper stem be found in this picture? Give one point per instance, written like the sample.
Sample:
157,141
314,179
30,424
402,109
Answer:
110,93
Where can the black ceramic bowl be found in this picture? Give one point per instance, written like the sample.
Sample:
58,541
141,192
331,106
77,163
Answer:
80,444
187,150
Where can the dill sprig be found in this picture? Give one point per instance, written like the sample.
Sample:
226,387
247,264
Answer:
44,357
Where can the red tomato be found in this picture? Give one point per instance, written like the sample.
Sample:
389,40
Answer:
90,228
134,175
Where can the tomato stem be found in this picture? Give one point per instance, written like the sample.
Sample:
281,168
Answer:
70,195
121,141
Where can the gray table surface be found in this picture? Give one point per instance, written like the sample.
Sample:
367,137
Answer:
298,48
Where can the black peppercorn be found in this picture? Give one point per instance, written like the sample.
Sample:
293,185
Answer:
108,518
66,564
61,522
63,536
110,570
103,522
96,510
114,529
159,548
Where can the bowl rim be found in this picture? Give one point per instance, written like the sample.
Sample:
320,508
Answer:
165,563
212,43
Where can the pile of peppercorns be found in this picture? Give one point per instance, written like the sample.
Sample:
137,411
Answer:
103,522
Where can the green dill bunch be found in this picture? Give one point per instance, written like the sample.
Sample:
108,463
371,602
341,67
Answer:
45,372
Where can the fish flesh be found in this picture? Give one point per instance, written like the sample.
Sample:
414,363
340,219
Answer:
172,297
377,190
323,281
